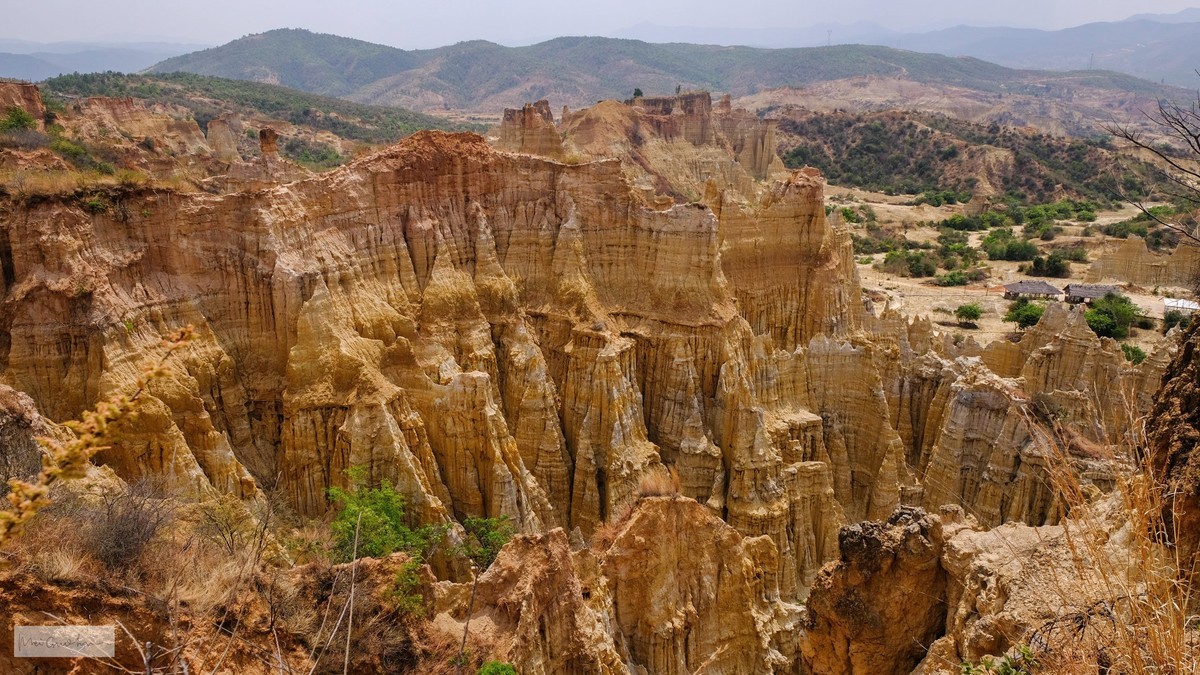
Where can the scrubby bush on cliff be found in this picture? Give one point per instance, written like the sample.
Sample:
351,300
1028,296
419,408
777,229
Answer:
1133,354
370,522
657,482
17,119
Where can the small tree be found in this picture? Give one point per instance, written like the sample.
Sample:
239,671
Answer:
1053,265
637,92
1024,313
968,314
376,514
1111,316
1133,353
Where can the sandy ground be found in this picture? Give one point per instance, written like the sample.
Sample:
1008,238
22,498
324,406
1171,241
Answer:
917,297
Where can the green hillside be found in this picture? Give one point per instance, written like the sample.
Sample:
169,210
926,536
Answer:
313,62
903,152
210,97
580,70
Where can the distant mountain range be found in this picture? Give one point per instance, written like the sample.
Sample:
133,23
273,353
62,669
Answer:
578,71
37,61
1158,47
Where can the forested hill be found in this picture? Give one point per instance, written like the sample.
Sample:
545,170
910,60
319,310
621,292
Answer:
578,71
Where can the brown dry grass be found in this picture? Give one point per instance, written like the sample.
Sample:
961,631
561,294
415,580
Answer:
1141,624
658,481
27,184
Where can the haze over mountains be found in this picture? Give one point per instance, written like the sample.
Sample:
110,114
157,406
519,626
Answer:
26,60
1158,47
577,71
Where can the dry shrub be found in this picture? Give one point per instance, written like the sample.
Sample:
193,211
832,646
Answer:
658,481
52,546
123,526
1139,623
607,531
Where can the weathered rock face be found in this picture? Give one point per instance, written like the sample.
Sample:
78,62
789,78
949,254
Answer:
545,612
503,334
1077,378
530,129
222,140
675,590
679,146
883,603
1172,434
1132,262
25,96
933,592
493,356
20,425
167,127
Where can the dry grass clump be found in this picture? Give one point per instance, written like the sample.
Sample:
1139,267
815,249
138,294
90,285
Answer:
658,481
607,531
32,184
1140,623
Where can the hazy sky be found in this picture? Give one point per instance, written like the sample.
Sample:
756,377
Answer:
430,23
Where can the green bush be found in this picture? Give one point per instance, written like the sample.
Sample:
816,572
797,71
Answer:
1001,244
1133,353
1073,253
1111,316
955,278
1053,265
850,215
319,156
382,529
909,263
968,314
1022,662
496,668
17,119
485,538
404,588
1174,318
1024,313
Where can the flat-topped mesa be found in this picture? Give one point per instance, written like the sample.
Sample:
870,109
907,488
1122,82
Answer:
530,129
24,96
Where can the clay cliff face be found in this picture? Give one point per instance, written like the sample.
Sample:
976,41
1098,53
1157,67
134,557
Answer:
1172,431
505,334
24,96
475,338
1132,262
530,129
926,593
704,601
680,147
